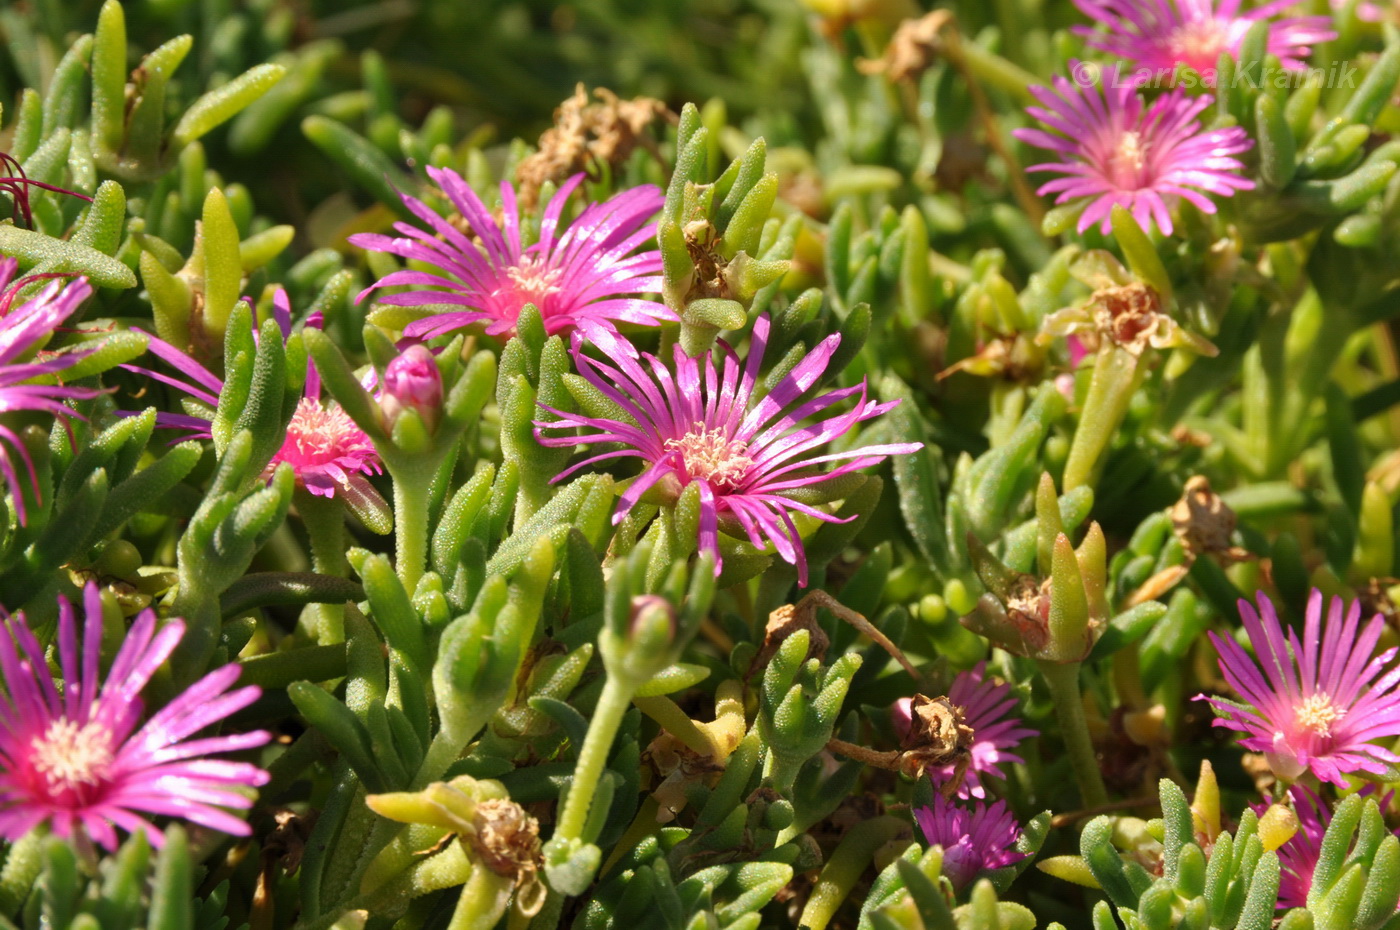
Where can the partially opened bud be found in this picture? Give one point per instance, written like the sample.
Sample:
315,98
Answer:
412,381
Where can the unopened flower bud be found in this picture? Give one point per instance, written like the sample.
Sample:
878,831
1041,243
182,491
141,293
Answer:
652,619
642,647
412,382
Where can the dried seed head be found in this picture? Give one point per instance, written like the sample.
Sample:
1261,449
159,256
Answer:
1028,607
507,839
1204,523
584,134
1130,315
938,735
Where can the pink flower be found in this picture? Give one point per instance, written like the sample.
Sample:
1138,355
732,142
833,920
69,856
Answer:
706,427
412,381
986,705
1317,704
330,455
974,841
1116,151
72,755
1158,36
588,276
327,451
23,331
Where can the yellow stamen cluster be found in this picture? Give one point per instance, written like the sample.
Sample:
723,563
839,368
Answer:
712,456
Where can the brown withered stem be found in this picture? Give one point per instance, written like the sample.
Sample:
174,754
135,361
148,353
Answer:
790,618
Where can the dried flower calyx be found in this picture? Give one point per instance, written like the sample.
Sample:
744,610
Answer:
492,829
938,736
1204,522
1122,311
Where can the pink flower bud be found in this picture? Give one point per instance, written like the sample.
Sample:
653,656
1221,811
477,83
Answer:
901,715
412,382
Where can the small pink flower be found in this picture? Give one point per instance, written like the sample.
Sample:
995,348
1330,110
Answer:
1158,36
329,454
587,276
72,755
1116,151
326,450
23,331
1314,705
412,381
711,428
974,841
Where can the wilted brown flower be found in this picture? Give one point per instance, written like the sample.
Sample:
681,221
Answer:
602,133
914,47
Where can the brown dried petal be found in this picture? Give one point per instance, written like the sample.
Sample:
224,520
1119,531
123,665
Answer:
914,47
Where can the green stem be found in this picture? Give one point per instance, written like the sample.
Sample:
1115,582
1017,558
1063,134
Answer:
445,750
1315,341
1063,680
324,519
1110,390
996,71
203,622
411,496
607,717
484,900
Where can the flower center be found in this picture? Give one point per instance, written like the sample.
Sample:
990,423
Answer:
1198,44
70,756
1317,713
321,434
712,456
1127,161
532,281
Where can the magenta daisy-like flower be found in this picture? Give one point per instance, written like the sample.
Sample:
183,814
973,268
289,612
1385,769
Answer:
710,427
327,451
75,756
1159,36
23,330
587,275
1114,150
329,454
986,706
1315,704
974,841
